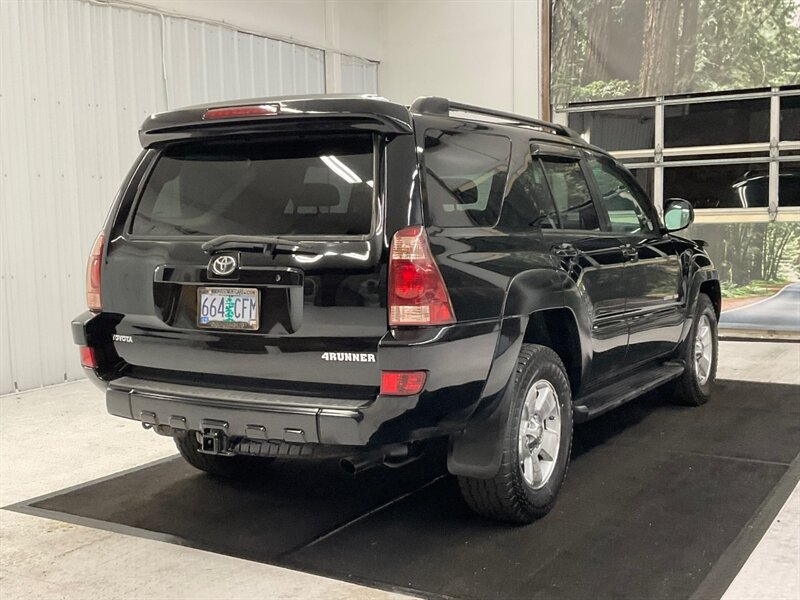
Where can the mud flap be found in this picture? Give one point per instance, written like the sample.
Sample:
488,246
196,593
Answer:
478,450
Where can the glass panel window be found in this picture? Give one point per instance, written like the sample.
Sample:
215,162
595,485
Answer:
710,123
571,194
754,261
790,118
761,154
528,204
624,129
625,205
465,176
789,188
719,186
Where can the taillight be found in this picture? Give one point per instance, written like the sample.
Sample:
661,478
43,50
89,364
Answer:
402,383
253,110
88,359
417,294
93,274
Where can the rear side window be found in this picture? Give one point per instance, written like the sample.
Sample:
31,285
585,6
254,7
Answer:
306,185
528,204
571,194
465,176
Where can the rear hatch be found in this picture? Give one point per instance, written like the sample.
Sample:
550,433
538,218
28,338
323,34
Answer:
253,261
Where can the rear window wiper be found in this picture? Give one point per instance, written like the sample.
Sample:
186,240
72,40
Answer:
256,243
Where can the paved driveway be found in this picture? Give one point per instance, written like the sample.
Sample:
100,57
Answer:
780,312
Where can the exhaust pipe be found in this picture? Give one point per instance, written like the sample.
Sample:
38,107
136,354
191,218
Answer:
353,465
391,456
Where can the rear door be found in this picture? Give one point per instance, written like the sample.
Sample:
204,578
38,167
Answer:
254,261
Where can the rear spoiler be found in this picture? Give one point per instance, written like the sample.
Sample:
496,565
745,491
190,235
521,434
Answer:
276,114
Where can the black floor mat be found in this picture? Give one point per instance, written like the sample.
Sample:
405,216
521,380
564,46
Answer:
654,496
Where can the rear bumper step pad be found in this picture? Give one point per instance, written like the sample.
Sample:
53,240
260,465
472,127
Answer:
246,414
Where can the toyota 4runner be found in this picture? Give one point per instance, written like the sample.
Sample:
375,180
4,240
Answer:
346,277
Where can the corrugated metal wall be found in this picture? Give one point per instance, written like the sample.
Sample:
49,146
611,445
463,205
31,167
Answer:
358,75
76,81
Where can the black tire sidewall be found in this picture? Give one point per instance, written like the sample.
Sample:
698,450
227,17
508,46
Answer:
540,367
702,392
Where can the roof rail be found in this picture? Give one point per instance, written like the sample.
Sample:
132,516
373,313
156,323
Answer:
435,105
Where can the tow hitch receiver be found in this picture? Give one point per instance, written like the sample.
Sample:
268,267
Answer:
214,440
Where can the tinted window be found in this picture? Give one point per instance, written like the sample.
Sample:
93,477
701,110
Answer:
625,206
620,129
790,118
789,187
725,122
528,203
571,194
465,176
299,186
719,186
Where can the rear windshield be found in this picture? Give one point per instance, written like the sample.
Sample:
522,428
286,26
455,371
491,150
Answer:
304,185
465,175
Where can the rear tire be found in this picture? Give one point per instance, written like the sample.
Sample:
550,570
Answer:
699,354
229,467
533,465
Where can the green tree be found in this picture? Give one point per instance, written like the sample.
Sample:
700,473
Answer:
747,43
678,46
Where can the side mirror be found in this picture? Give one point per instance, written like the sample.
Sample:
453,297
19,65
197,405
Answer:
678,214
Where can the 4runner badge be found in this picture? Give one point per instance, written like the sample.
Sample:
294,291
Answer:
348,357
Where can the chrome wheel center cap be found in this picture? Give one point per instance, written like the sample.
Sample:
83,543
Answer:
534,433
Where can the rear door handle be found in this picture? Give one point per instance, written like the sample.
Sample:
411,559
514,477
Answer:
630,253
565,251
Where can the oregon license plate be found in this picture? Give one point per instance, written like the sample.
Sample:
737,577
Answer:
227,308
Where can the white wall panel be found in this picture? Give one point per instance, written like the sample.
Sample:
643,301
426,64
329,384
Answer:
359,76
205,63
76,81
484,53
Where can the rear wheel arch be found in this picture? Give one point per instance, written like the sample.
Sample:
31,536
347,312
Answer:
557,329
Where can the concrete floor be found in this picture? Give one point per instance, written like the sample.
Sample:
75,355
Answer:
61,436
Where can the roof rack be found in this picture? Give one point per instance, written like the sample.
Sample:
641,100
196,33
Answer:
435,105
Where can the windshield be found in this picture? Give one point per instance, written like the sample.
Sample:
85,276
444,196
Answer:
303,185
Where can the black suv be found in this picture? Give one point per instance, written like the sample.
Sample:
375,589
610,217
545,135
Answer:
346,277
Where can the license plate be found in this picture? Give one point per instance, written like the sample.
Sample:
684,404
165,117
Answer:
227,308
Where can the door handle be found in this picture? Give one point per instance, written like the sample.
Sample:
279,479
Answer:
565,251
630,253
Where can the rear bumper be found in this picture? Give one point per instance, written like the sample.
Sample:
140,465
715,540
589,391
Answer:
251,415
457,359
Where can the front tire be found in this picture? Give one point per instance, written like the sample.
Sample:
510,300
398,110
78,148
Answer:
536,443
228,467
699,354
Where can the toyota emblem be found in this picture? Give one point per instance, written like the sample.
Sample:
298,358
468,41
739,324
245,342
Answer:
222,265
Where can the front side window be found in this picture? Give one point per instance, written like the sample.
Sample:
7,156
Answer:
571,194
626,206
304,185
465,177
